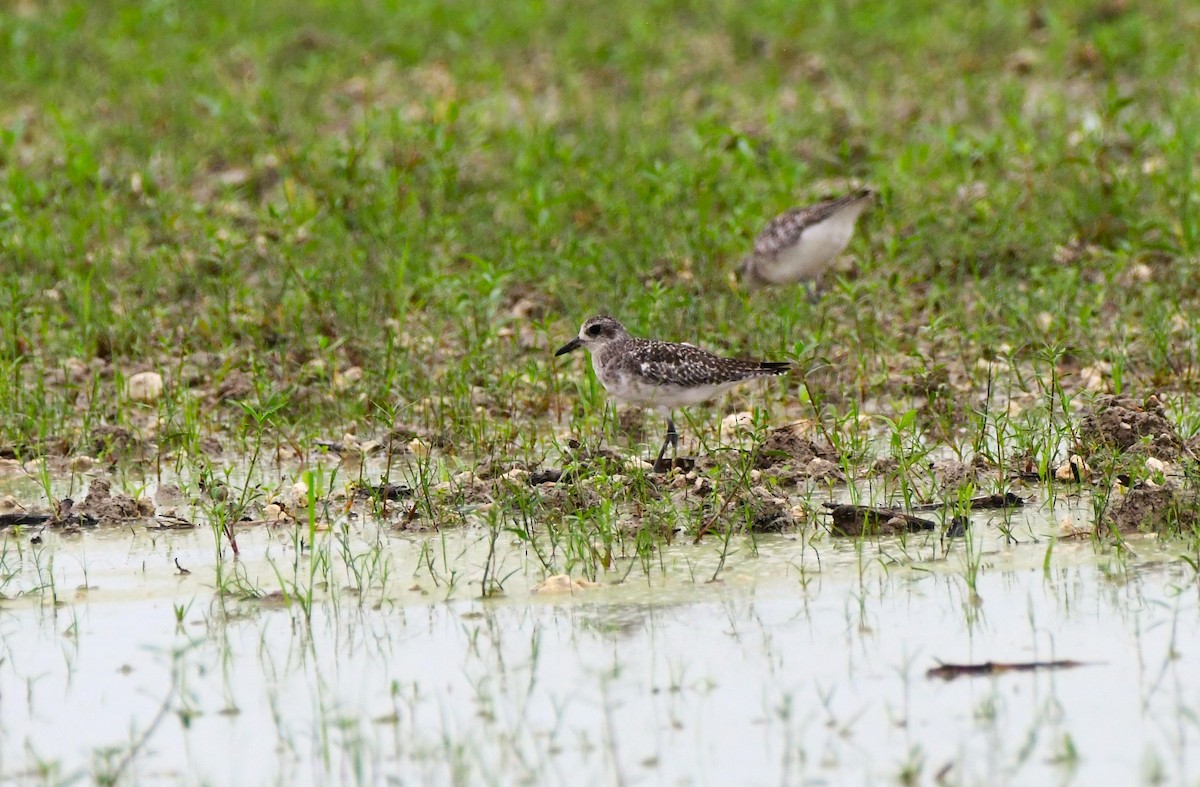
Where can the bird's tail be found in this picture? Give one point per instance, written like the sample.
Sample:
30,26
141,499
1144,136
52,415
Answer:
775,367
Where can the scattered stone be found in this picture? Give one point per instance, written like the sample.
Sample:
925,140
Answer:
343,380
145,387
76,370
517,475
298,496
273,512
737,422
1074,470
1021,61
1068,529
1121,423
562,583
819,469
350,446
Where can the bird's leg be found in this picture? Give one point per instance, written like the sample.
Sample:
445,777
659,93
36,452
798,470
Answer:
813,290
673,441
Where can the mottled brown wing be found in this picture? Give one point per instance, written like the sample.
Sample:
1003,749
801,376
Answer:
666,363
785,229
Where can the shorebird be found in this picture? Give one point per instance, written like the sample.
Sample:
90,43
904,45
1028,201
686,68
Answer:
661,376
801,244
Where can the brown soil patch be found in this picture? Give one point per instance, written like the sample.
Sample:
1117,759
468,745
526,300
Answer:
1121,423
1157,509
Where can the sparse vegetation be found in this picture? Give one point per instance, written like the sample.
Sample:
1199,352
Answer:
279,288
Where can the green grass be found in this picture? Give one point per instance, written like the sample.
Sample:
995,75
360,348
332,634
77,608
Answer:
440,193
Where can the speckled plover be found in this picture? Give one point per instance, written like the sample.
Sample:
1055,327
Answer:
661,375
801,244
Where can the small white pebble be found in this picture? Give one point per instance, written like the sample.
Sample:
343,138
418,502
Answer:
737,421
562,583
299,495
343,380
1074,469
145,386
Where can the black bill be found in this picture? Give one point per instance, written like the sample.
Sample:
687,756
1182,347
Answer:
574,344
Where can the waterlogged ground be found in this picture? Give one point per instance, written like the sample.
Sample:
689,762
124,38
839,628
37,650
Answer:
805,662
235,232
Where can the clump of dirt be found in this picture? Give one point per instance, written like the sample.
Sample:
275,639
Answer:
111,439
793,457
580,461
788,444
405,433
1121,423
235,385
561,500
493,467
108,508
766,513
1156,509
951,474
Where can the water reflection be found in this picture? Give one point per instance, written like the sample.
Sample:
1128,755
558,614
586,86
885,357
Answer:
803,663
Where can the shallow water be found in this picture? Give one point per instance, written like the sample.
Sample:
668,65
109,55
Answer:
804,663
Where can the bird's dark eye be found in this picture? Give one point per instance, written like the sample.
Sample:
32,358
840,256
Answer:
594,330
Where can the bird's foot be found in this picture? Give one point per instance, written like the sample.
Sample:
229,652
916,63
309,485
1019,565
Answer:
666,464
